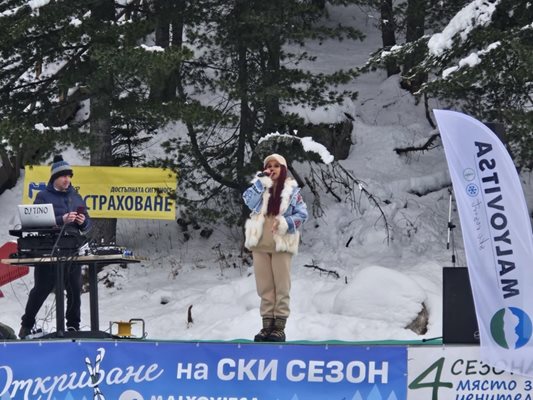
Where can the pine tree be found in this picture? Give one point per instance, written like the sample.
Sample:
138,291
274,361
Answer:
252,71
225,71
482,64
78,71
488,74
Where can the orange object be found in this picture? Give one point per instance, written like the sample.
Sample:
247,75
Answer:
9,273
124,328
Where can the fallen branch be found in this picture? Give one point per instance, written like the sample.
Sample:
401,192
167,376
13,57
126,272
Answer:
426,146
336,176
370,198
328,271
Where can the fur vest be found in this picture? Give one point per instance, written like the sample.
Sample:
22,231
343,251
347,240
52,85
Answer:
292,214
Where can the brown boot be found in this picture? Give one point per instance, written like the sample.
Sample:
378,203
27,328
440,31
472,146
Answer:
278,333
24,332
268,325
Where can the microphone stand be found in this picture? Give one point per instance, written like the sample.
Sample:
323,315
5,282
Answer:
449,240
60,276
451,226
54,247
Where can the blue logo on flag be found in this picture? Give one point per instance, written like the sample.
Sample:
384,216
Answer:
472,190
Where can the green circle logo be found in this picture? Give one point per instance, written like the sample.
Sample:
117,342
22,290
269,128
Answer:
517,334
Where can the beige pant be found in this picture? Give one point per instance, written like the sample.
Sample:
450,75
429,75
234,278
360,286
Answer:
273,282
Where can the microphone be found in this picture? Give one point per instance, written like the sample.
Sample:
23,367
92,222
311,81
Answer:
261,174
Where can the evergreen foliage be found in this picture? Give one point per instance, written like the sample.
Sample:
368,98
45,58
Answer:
486,71
224,74
252,56
490,75
58,58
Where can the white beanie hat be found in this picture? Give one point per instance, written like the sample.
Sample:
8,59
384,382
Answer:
277,157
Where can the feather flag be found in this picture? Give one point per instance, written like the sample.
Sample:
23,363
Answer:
497,236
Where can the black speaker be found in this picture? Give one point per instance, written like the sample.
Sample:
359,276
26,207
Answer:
459,323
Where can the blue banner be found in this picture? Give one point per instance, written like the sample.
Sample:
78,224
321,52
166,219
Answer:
51,370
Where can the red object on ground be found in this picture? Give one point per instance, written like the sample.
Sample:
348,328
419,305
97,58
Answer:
9,273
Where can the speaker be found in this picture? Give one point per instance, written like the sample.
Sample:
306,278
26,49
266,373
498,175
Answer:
459,323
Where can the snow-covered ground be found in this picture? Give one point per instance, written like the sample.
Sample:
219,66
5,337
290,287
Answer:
381,284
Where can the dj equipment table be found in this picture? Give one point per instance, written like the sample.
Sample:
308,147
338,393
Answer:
93,261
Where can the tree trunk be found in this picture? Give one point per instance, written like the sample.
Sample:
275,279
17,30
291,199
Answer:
273,116
162,28
416,15
104,229
103,10
9,171
247,124
388,34
177,26
168,33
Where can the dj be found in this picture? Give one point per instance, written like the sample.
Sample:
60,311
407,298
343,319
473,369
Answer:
69,208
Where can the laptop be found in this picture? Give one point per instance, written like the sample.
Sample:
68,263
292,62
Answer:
36,216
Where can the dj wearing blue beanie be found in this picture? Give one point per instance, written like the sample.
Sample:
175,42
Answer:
70,210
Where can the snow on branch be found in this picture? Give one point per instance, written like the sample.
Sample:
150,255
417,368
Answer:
38,3
41,128
152,49
471,60
308,145
33,4
477,13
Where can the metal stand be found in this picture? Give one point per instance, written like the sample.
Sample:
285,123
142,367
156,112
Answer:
60,301
60,286
60,263
60,332
451,227
450,243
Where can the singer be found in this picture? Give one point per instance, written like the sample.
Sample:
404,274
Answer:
277,213
70,210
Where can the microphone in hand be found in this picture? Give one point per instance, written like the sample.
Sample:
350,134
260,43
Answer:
263,173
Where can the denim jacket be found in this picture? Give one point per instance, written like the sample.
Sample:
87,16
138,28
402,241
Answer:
293,213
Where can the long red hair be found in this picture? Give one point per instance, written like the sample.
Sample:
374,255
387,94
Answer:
275,192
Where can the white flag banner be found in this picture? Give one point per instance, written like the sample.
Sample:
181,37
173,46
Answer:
497,237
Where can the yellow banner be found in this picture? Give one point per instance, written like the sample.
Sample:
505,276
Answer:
114,192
